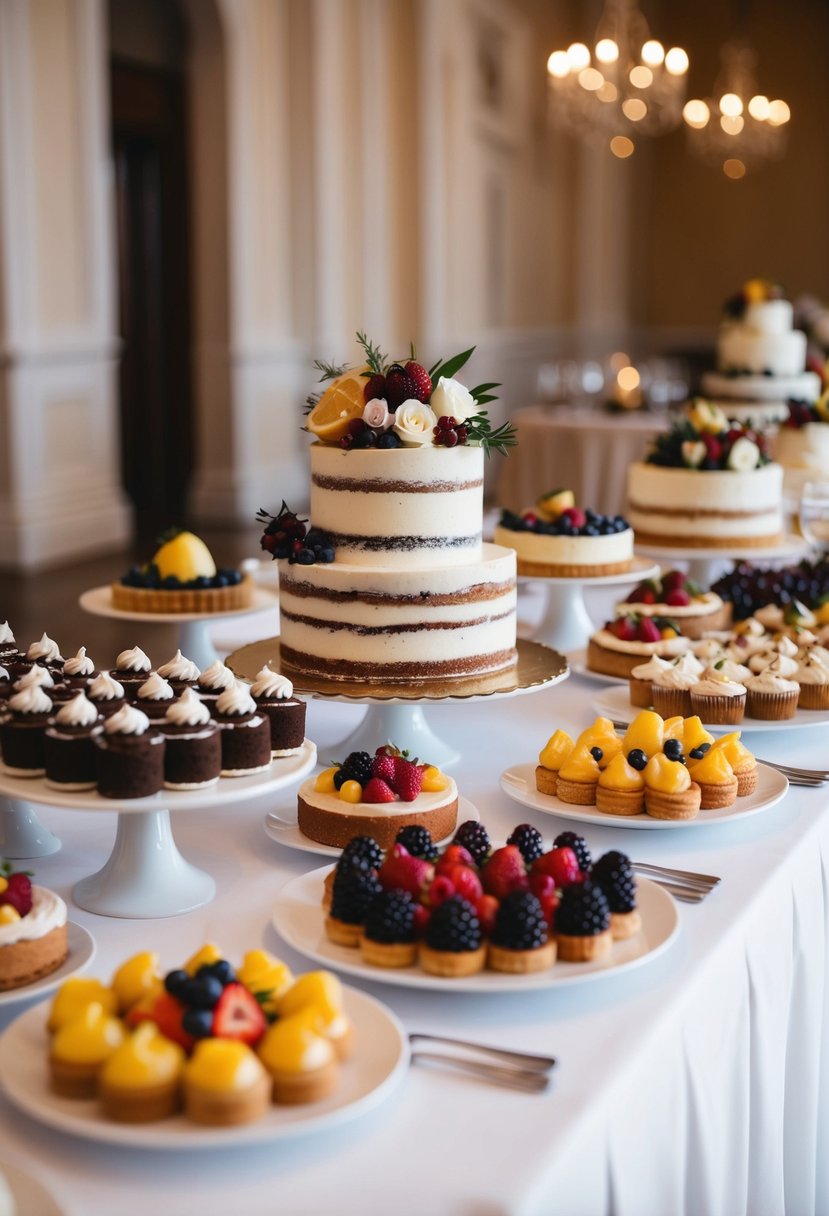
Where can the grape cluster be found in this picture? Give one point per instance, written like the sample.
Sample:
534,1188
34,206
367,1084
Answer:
749,587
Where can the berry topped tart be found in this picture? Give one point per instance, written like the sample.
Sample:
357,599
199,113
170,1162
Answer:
389,579
802,443
557,539
33,941
707,483
632,639
182,577
376,795
677,596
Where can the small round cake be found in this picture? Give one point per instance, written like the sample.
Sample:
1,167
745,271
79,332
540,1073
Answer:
213,681
79,671
274,695
32,932
180,673
556,539
22,732
106,693
182,578
245,733
154,696
69,745
132,667
46,653
130,756
675,596
193,752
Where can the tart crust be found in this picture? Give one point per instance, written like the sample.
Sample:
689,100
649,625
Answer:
142,1105
24,962
580,793
521,962
620,802
211,599
387,954
746,776
294,1088
678,541
584,949
452,963
75,1078
227,1108
546,781
572,570
342,933
625,924
684,805
715,797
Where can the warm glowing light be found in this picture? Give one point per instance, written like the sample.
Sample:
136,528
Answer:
676,61
735,169
608,92
731,105
621,146
618,360
641,78
606,50
628,379
653,53
558,64
779,113
634,109
591,79
759,107
578,56
732,126
696,113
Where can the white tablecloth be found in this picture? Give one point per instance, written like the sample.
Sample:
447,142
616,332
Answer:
584,450
696,1084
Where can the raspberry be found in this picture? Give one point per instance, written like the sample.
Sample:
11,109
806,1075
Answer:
399,387
355,886
528,841
421,381
375,387
454,926
18,893
572,840
391,918
440,889
418,841
363,847
408,779
583,911
475,839
376,790
520,922
614,874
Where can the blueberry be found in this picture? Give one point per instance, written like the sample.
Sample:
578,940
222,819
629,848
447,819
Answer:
174,980
596,753
591,530
696,753
203,582
170,582
197,1022
672,749
326,555
704,747
221,580
220,970
389,440
637,759
306,557
201,992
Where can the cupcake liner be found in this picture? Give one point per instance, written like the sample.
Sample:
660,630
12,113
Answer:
814,696
671,702
720,711
772,706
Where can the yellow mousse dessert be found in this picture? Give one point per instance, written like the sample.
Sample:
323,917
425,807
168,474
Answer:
225,1084
715,778
137,978
621,788
578,777
322,993
81,1048
669,791
74,996
742,761
301,1061
140,1081
182,577
266,976
550,759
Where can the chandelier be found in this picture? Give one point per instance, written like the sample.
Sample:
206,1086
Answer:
628,85
738,128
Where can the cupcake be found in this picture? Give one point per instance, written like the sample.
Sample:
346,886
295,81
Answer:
718,700
732,670
130,756
520,943
669,791
613,873
641,678
69,745
550,759
621,788
301,1062
388,938
245,733
225,1084
140,1081
22,732
813,679
715,778
274,695
453,945
193,752
80,1049
180,672
578,777
46,653
670,689
582,923
154,696
771,695
214,680
106,694
8,646
79,670
131,670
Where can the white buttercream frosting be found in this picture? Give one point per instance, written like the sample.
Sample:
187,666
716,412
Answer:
651,669
817,655
708,649
271,684
675,676
216,677
6,635
770,615
36,677
771,680
30,700
78,712
155,688
809,672
4,675
127,721
105,688
716,685
236,700
48,912
669,646
188,710
179,668
79,665
738,672
764,658
45,649
132,660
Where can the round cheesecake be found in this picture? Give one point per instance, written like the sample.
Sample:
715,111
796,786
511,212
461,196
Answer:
331,820
706,612
36,944
547,556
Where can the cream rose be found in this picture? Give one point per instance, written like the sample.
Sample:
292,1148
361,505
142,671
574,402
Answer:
744,456
451,399
376,414
693,453
414,422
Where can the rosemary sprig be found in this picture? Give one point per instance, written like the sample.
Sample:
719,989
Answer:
375,358
479,429
329,371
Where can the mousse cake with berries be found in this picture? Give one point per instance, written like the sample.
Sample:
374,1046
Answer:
33,938
631,640
557,539
678,597
375,796
182,577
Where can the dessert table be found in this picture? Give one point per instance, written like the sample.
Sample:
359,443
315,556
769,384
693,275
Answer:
695,1083
579,448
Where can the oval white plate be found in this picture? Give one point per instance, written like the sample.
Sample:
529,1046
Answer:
81,953
519,783
615,703
379,1063
287,833
98,602
298,918
578,665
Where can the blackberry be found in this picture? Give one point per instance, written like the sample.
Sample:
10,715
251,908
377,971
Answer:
572,840
358,766
614,874
418,841
365,847
454,926
519,922
583,911
355,886
527,840
475,839
391,918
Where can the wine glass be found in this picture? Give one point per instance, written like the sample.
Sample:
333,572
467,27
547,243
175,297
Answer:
814,513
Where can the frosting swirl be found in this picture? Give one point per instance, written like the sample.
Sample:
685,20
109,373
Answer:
809,672
48,912
188,710
132,660
36,677
269,683
731,670
179,668
127,721
155,688
79,665
4,674
6,635
236,700
45,649
651,669
771,681
78,712
717,685
105,688
216,676
30,700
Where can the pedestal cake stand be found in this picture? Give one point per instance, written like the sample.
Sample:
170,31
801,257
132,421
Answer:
395,711
565,624
702,563
145,875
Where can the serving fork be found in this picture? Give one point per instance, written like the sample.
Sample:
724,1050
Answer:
515,1069
686,885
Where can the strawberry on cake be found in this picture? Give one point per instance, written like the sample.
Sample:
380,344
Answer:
33,940
557,539
677,596
631,640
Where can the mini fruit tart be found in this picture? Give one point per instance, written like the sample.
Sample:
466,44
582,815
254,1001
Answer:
582,924
388,938
520,941
613,872
454,944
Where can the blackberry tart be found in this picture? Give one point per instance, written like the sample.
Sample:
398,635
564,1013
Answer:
454,943
182,578
274,695
130,756
193,752
520,942
364,848
245,733
356,885
583,924
22,732
69,745
132,667
388,938
613,872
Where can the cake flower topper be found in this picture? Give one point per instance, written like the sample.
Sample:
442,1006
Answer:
754,291
708,441
391,404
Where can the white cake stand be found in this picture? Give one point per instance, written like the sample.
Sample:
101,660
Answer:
21,832
194,627
703,562
395,711
565,623
146,876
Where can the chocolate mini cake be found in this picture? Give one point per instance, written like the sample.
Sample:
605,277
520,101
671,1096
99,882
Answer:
69,746
46,653
106,693
180,672
8,646
129,756
274,695
245,733
79,671
213,681
193,752
22,732
6,687
155,696
131,670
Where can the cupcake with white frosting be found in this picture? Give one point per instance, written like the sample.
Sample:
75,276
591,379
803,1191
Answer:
22,732
180,673
106,694
718,700
132,667
245,733
772,694
670,689
641,678
731,669
213,681
129,756
274,695
79,670
69,745
813,678
154,697
193,753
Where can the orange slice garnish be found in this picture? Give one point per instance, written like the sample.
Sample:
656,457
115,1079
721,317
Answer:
339,405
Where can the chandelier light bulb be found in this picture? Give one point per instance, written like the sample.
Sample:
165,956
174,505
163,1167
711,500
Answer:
779,113
628,379
558,65
732,126
621,146
731,105
606,50
578,56
759,107
634,109
676,61
696,113
653,53
591,79
734,168
641,77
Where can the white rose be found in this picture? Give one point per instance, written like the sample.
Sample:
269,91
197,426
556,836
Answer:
693,453
414,422
451,399
744,455
376,414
